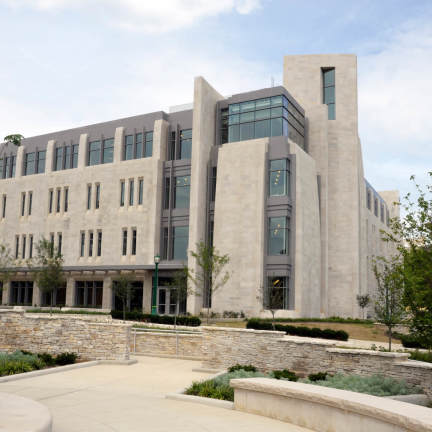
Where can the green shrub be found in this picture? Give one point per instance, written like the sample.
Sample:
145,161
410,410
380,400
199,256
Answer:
284,374
66,358
47,358
257,324
421,356
320,376
410,341
19,362
192,321
330,320
247,368
376,385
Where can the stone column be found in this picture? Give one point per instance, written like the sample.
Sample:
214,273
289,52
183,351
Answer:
6,293
107,299
37,295
147,291
82,154
20,161
70,291
118,144
50,154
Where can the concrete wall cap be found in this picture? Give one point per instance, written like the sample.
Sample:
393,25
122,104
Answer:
368,352
242,330
305,340
415,364
414,417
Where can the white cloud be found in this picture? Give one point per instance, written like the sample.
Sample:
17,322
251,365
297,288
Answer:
146,15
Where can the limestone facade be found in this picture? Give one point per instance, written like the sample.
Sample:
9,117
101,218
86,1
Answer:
117,214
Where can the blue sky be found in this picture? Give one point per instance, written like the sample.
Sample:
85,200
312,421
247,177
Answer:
67,63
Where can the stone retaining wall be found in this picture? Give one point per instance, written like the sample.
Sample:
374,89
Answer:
90,339
268,350
155,343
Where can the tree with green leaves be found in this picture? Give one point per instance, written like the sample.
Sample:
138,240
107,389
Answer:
123,288
412,237
389,307
48,268
14,139
211,274
272,297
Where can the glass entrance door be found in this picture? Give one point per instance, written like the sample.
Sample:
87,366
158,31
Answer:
167,302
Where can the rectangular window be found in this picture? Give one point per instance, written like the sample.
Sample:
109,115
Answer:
128,148
66,199
82,244
328,77
29,166
16,246
97,195
50,199
94,153
131,192
376,207
4,206
138,146
108,150
21,293
67,162
75,148
89,194
180,242
99,243
23,201
90,249
186,144
59,159
31,247
213,184
148,144
59,243
13,161
89,294
278,236
23,250
382,212
52,244
172,146
134,241
165,243
279,177
40,168
166,200
182,192
277,293
140,191
122,193
368,198
58,200
124,242
30,203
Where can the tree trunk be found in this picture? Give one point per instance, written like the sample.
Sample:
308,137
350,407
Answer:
273,320
51,302
175,329
390,337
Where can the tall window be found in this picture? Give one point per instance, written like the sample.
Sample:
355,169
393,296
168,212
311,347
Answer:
272,116
122,193
89,193
23,251
59,158
99,243
97,202
186,144
329,97
59,243
82,244
90,250
50,200
129,147
16,246
180,242
30,204
40,163
124,242
7,167
213,184
376,207
368,198
66,157
29,164
278,236
166,199
89,293
138,145
58,200
182,192
31,246
4,206
382,212
277,288
75,148
108,150
165,255
171,154
279,177
134,241
148,144
131,192
94,153
23,201
140,191
21,293
66,199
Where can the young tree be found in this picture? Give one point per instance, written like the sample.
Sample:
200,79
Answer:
273,299
363,301
48,267
123,287
412,237
389,308
211,274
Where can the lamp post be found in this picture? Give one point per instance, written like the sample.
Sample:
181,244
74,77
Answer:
155,285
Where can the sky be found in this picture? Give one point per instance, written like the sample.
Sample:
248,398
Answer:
68,63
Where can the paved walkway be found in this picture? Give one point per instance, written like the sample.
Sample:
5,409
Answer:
132,398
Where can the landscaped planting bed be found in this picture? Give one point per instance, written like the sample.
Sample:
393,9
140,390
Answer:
376,385
24,361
